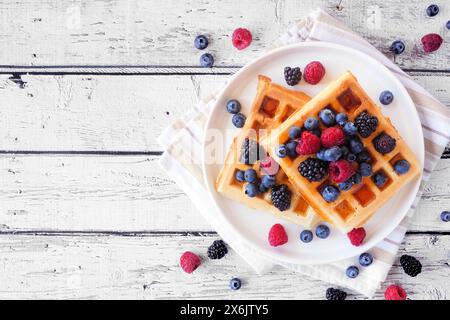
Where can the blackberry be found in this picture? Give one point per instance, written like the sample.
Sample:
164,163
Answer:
281,197
250,151
384,143
217,250
313,169
292,75
366,124
335,294
410,265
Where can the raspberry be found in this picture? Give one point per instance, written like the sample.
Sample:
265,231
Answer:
357,236
308,144
277,235
394,292
332,136
269,166
340,170
189,262
241,38
314,72
431,42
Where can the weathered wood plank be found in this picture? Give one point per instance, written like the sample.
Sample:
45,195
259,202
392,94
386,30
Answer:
111,113
110,267
118,32
130,193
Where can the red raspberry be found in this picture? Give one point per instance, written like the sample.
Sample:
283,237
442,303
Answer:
241,38
431,42
394,292
269,166
309,143
332,136
314,72
277,235
340,170
357,236
189,262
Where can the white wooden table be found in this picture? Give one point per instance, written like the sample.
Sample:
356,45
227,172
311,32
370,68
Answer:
87,86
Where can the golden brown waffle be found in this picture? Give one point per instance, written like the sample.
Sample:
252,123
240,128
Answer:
272,105
355,206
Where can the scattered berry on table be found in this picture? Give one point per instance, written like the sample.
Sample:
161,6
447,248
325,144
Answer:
308,144
431,42
277,235
365,169
410,265
241,38
311,123
250,175
340,170
335,294
201,42
322,231
294,132
239,175
366,124
351,157
314,72
330,193
251,190
447,25
292,75
401,166
235,284
313,169
332,136
356,145
352,272
445,216
269,166
281,197
206,60
350,129
384,143
432,10
357,236
233,106
217,250
331,154
365,259
346,185
189,262
341,119
306,236
394,292
380,179
363,156
327,117
291,147
386,97
268,181
397,47
357,178
238,120
281,151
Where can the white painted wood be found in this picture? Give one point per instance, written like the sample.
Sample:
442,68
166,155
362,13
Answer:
119,32
111,113
93,267
130,193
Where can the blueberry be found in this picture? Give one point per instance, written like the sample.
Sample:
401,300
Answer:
306,236
386,97
262,188
352,272
294,132
351,157
233,106
432,10
332,154
448,24
346,185
356,145
251,190
311,123
397,47
201,42
365,169
445,216
235,284
401,166
281,151
350,129
363,156
322,231
206,60
291,147
330,193
250,175
239,175
341,119
328,117
380,179
344,150
365,259
268,181
356,178
238,120
321,154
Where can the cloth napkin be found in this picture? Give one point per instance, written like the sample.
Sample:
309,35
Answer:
184,166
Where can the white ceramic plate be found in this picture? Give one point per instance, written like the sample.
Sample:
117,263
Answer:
252,225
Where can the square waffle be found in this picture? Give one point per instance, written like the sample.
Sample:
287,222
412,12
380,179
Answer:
355,206
271,106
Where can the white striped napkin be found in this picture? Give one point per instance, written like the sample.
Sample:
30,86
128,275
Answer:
184,166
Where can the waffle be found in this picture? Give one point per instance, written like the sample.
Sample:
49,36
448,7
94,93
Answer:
353,207
272,105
